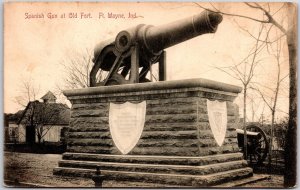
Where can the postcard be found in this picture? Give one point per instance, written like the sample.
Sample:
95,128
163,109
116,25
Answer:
150,94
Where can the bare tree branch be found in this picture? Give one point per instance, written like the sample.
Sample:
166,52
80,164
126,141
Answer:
77,67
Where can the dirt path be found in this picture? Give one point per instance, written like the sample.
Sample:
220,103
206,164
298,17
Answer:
37,169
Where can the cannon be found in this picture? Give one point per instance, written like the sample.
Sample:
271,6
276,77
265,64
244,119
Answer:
257,144
129,57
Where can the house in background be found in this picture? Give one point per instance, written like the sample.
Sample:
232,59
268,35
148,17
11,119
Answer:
11,127
41,121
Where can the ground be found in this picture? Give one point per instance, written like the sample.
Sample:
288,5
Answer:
36,170
275,181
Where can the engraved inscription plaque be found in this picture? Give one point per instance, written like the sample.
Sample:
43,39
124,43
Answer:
217,116
126,123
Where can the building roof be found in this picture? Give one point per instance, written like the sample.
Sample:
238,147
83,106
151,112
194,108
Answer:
49,96
46,114
13,117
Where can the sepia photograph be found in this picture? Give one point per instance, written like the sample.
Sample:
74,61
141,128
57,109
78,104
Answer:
150,94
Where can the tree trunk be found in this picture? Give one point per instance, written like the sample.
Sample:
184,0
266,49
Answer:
290,176
39,136
244,124
271,137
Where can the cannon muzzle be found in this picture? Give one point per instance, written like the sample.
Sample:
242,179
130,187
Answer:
162,37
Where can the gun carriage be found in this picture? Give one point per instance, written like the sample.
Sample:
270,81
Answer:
128,58
257,143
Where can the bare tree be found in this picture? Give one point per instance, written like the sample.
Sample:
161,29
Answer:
28,92
280,132
77,67
270,95
256,106
244,72
290,32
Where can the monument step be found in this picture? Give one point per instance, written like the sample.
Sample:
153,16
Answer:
147,159
181,151
130,184
167,179
155,168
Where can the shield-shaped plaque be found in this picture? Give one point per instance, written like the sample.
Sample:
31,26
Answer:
217,116
126,123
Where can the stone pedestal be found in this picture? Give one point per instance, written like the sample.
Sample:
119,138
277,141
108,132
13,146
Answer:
176,147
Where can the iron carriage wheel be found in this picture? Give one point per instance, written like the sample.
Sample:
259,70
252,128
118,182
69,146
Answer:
257,147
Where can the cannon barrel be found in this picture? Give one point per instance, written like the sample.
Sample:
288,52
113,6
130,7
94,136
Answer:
153,39
162,37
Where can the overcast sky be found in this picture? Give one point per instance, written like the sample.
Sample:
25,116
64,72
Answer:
35,47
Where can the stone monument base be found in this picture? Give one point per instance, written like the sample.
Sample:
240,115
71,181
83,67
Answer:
177,146
161,170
